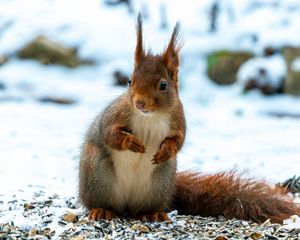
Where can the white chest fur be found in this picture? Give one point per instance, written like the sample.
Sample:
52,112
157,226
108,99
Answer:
133,170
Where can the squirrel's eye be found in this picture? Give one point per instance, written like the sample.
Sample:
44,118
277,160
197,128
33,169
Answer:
163,86
129,82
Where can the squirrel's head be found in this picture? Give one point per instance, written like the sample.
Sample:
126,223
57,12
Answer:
154,82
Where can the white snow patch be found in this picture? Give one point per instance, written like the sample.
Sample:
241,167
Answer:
292,223
295,65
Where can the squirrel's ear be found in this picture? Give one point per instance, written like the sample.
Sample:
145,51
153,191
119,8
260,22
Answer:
139,50
171,54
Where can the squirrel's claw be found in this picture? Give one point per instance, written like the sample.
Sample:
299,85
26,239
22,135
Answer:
100,213
134,144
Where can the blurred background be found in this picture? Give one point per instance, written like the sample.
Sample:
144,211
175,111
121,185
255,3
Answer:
62,61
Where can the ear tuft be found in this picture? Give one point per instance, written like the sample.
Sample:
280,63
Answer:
139,50
171,54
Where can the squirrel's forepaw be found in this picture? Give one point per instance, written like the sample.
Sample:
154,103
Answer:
133,144
100,213
167,150
161,156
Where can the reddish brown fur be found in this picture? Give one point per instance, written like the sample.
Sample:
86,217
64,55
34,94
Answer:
145,85
171,55
134,144
168,148
120,138
229,195
150,69
210,195
116,137
139,50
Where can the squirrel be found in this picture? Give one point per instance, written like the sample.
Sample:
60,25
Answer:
128,158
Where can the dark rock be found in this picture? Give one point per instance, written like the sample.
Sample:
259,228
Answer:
57,100
223,65
47,51
120,78
269,51
292,81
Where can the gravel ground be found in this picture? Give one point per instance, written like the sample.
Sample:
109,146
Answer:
60,218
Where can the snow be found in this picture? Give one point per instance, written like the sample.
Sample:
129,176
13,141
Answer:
274,70
295,66
40,143
292,222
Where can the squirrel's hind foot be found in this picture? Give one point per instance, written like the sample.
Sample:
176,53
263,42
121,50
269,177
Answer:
100,213
155,216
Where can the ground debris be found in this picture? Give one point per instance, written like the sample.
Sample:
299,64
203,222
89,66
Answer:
70,217
52,218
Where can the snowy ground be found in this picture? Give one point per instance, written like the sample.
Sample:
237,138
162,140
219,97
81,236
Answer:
226,129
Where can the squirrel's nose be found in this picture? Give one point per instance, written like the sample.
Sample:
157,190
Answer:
139,104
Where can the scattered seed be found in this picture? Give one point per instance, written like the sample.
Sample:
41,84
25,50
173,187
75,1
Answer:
70,217
28,206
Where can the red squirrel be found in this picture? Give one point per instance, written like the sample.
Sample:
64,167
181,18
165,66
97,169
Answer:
128,159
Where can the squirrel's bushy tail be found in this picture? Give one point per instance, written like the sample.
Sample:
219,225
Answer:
229,195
